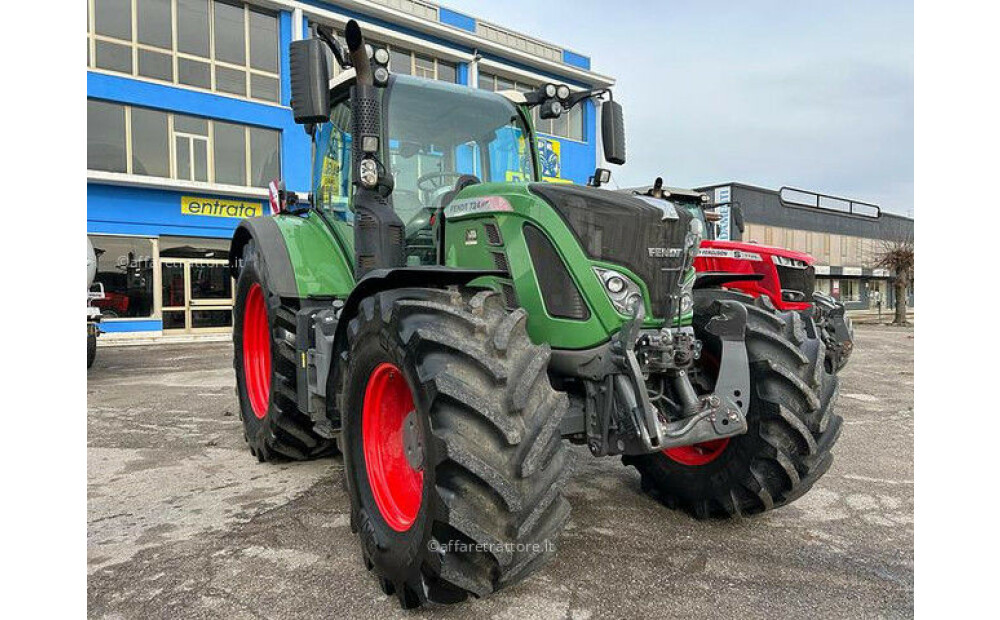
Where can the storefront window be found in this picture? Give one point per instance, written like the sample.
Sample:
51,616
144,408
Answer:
849,290
125,269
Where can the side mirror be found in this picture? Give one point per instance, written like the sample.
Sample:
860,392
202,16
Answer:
310,77
601,176
737,215
613,132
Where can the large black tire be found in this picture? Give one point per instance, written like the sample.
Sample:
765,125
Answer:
283,431
91,349
494,464
791,423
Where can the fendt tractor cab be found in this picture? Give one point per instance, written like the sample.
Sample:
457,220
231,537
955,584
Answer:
444,319
784,278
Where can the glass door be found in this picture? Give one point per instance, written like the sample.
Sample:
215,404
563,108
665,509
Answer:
211,295
197,295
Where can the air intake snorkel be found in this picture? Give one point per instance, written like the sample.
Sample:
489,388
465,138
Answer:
378,231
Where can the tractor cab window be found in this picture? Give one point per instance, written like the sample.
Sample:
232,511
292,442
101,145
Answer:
439,132
332,164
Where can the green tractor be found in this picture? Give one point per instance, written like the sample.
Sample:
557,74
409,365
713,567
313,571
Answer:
444,320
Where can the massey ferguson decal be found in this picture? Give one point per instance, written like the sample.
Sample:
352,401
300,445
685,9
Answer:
735,254
473,206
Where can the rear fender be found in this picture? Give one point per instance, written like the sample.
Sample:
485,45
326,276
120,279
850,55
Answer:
272,254
301,255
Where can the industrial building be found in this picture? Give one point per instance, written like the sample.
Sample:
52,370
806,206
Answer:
188,120
845,236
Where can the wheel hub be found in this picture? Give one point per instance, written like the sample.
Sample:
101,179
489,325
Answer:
699,453
257,351
393,447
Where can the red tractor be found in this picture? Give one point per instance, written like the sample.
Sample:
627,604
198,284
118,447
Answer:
778,277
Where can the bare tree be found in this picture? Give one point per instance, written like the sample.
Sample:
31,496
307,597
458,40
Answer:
896,255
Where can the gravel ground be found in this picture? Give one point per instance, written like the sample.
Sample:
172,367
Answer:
182,522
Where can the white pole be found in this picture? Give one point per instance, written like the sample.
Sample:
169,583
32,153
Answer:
297,25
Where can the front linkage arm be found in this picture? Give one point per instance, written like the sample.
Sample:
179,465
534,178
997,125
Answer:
621,417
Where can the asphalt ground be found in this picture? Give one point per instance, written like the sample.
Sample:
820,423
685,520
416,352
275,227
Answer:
184,523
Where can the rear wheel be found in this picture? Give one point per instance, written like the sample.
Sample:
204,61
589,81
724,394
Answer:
791,425
452,453
265,363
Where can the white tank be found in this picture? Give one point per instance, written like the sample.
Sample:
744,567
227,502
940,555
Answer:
91,263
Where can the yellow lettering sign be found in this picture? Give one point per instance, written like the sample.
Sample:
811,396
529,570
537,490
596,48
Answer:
214,207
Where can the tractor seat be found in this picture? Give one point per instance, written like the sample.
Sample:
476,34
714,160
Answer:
463,181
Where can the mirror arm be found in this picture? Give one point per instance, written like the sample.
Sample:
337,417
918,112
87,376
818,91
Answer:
335,47
576,98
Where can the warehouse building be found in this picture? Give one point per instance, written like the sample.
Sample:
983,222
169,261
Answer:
844,236
188,120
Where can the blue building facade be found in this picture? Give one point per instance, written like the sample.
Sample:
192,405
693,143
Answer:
189,118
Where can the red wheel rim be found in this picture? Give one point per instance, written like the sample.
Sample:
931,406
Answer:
699,453
398,488
257,351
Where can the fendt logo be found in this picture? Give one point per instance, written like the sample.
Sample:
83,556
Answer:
664,252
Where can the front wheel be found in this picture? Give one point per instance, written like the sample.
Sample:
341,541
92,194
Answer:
452,452
791,426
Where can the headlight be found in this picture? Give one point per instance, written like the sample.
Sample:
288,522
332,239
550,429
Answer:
784,261
687,292
369,172
563,91
624,294
550,90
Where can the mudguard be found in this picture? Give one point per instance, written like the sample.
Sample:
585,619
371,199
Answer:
303,254
401,277
272,253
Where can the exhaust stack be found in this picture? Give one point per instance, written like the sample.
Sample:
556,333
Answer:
378,231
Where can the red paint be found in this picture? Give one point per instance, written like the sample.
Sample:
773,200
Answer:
396,486
770,286
699,453
257,352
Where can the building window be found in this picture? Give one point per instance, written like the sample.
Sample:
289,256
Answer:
151,143
849,290
403,61
220,46
569,125
125,270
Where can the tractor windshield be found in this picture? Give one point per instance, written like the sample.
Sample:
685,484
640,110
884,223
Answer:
438,132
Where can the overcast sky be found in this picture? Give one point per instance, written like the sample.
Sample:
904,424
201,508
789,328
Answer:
813,94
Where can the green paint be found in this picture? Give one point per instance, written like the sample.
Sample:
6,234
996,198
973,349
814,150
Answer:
321,260
528,208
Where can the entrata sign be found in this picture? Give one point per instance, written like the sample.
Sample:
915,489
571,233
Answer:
214,207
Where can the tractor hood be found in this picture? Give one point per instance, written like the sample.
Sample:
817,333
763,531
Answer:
769,250
647,237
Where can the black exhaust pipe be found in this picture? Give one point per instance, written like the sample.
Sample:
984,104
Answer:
378,231
359,53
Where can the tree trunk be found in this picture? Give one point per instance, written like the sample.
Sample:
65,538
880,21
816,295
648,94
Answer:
900,288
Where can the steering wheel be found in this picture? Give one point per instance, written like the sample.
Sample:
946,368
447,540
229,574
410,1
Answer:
433,181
